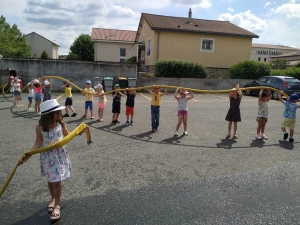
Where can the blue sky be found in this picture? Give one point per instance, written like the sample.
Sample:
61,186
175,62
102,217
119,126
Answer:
276,22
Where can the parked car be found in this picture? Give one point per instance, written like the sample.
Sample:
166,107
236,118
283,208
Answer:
288,85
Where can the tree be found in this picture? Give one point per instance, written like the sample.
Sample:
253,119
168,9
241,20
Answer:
280,64
44,55
13,42
72,56
83,47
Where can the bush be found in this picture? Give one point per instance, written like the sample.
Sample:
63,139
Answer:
280,64
131,60
297,65
249,70
179,68
290,72
44,55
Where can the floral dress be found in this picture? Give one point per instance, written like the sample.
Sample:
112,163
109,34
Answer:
55,163
234,113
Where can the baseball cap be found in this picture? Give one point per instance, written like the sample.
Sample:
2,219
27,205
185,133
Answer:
46,82
293,97
117,85
88,82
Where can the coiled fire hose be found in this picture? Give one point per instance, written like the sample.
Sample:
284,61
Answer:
59,144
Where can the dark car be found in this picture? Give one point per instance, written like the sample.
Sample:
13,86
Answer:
288,85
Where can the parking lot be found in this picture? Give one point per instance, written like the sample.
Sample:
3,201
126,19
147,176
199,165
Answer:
130,175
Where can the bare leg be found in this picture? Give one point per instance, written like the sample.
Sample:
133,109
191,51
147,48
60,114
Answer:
229,127
234,128
180,118
291,132
184,122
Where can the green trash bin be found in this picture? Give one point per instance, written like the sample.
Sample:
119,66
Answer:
132,82
108,83
123,82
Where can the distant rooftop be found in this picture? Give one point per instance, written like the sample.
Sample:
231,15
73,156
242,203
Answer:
43,37
113,34
255,45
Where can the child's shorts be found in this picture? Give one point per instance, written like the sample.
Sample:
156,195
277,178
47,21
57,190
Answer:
289,123
89,104
38,97
129,110
101,105
16,93
262,119
30,99
116,107
182,113
69,101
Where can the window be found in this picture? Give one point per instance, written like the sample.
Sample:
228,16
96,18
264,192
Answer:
258,58
122,54
262,80
265,59
272,80
148,47
207,45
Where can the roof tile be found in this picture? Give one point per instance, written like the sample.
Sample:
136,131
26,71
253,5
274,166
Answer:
113,34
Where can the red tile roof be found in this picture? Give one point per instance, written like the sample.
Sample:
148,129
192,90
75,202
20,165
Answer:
171,23
113,34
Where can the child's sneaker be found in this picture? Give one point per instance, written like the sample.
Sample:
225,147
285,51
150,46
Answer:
74,114
258,137
127,123
66,115
92,117
285,136
116,121
113,122
264,137
84,116
176,133
291,139
131,123
185,133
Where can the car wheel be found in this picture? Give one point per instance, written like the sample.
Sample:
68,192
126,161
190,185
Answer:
247,92
275,95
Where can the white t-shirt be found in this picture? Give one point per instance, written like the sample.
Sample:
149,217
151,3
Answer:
182,104
31,92
17,87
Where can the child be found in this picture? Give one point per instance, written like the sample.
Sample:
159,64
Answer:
262,116
116,104
55,163
69,101
88,92
289,115
21,86
47,90
101,101
38,94
234,114
30,96
11,83
17,92
155,106
182,109
130,105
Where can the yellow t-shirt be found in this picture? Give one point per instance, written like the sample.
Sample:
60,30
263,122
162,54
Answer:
68,92
156,98
88,94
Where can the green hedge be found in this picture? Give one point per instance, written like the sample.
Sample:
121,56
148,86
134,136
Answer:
131,60
249,70
290,72
179,68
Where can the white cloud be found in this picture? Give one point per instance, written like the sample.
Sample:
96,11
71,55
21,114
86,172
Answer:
246,20
193,3
289,10
230,9
267,4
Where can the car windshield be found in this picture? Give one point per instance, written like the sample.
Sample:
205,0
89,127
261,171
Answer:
291,80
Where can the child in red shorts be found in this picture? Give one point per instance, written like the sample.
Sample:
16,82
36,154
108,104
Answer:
130,105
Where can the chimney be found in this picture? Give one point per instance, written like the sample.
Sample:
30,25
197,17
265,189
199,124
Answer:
190,16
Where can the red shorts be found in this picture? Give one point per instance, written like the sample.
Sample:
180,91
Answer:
129,110
182,113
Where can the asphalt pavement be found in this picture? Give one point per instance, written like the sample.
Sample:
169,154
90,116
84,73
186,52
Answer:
130,175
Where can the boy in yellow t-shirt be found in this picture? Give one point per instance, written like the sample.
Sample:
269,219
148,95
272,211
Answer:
155,106
88,92
68,103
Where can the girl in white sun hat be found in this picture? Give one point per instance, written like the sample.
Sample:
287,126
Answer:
101,101
55,163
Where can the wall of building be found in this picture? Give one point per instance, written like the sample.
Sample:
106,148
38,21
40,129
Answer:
38,44
75,71
110,51
265,53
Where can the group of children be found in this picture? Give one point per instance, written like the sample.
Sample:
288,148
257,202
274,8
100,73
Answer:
289,114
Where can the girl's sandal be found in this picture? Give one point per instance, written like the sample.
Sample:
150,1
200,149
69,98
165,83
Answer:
228,136
235,136
51,205
55,215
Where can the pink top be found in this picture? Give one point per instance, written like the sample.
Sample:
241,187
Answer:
38,90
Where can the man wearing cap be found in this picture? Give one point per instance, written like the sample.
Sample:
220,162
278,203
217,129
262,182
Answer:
289,115
88,92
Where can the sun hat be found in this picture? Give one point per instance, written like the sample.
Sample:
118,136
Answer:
50,106
36,81
16,79
98,86
46,82
11,77
64,82
88,82
184,92
293,97
28,84
117,85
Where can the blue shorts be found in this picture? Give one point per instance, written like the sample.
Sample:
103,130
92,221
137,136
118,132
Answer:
68,101
89,104
16,93
30,99
38,97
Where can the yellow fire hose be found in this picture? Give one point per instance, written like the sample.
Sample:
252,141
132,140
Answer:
59,144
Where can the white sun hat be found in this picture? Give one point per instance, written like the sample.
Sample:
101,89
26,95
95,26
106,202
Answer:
98,86
46,82
36,81
50,106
